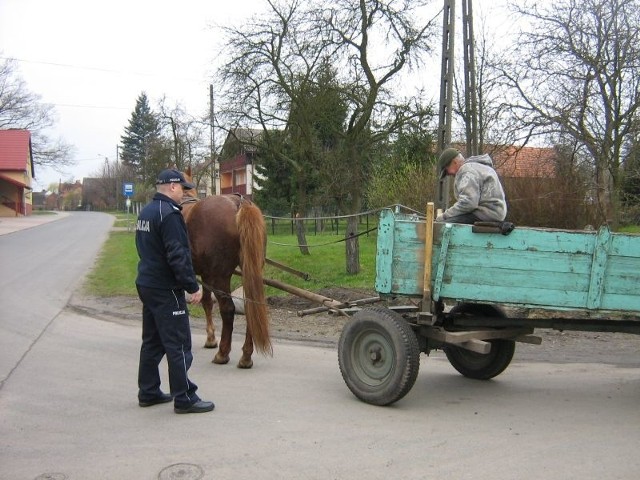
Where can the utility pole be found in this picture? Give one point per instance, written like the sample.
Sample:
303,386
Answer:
446,93
446,88
213,161
470,78
115,175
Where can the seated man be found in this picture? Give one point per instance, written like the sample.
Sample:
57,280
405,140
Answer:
479,194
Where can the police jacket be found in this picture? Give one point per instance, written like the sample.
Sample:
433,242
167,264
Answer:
163,247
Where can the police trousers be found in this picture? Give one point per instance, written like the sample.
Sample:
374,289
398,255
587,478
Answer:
165,331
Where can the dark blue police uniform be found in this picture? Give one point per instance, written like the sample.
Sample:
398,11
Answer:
165,272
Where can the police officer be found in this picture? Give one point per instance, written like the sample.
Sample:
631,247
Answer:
165,272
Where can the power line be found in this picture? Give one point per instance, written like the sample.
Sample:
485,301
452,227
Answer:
89,106
80,67
97,69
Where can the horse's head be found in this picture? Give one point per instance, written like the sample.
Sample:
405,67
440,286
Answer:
191,193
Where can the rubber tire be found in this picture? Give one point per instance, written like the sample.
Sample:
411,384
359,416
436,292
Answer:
388,377
477,365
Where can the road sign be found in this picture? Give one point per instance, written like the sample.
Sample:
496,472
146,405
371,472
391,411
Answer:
127,189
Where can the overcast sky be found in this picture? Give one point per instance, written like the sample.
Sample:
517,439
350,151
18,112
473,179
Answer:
91,59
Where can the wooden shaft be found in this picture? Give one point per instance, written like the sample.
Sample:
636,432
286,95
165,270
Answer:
428,253
303,275
353,303
314,297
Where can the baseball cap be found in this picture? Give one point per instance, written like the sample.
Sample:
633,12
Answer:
446,157
173,176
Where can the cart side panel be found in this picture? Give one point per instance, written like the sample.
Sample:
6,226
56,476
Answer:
554,269
400,254
543,268
538,267
621,286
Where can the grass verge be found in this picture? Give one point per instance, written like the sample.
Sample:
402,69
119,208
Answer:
115,270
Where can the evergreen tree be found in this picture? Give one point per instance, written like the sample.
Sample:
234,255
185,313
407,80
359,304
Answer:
141,144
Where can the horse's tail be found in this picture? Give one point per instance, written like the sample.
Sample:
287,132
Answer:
253,235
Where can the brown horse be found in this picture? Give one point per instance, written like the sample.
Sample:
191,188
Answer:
227,231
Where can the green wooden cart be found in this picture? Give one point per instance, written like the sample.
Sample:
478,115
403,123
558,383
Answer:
463,279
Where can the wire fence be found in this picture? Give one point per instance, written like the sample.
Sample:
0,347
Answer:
329,225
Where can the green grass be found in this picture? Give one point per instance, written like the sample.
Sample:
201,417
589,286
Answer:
630,229
326,264
123,220
115,270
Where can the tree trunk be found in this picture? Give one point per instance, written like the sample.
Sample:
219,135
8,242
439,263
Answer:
301,236
352,246
605,195
301,195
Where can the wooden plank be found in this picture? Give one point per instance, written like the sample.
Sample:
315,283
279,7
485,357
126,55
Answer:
502,277
515,295
467,257
441,260
384,252
286,268
613,301
406,286
625,245
440,334
622,276
428,251
525,239
598,267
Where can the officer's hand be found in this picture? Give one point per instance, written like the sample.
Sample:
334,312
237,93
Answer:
195,297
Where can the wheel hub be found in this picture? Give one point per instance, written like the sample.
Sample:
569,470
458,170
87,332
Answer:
375,354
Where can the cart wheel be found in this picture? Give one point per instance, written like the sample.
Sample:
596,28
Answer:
477,365
379,356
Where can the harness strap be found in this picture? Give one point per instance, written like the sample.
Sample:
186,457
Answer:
188,200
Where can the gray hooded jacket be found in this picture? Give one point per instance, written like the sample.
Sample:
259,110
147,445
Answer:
478,191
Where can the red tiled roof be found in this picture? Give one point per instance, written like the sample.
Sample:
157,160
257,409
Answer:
15,151
526,162
520,162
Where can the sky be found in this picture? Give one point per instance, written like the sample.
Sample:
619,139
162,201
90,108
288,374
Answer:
91,59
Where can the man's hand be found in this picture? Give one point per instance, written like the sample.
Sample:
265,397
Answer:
195,297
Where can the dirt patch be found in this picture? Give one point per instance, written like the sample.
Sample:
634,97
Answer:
324,328
286,322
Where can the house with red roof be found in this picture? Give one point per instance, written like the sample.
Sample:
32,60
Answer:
16,173
526,162
521,162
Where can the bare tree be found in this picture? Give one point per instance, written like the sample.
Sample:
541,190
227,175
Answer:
20,108
576,74
495,129
187,137
369,43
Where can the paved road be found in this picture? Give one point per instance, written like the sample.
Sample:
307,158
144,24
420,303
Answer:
42,262
68,410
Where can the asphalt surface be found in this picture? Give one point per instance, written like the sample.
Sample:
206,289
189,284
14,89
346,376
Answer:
68,408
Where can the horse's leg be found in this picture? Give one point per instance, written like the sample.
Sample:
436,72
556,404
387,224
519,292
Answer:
207,304
247,351
227,310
